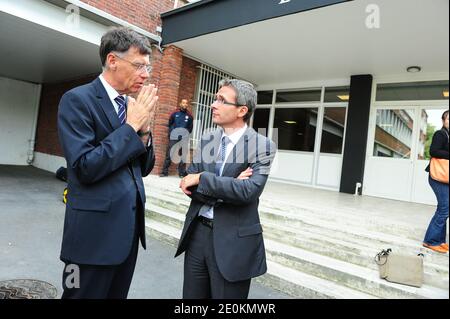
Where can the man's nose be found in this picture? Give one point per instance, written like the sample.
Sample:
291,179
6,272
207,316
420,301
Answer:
145,75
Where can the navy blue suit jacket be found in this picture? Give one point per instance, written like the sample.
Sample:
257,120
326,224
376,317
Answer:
105,165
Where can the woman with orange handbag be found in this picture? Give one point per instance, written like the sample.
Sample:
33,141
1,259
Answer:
435,238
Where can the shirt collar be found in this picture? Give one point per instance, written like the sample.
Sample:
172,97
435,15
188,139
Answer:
236,136
112,93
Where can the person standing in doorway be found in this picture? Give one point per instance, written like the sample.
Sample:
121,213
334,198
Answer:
435,238
180,127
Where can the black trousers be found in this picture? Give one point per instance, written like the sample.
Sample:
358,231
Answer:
202,278
168,160
103,282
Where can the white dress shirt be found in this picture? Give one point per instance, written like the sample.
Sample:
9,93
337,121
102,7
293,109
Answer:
112,94
234,139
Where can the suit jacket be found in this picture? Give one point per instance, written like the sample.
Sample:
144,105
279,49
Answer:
105,165
238,241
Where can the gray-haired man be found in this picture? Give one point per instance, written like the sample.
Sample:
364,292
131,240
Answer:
222,235
107,144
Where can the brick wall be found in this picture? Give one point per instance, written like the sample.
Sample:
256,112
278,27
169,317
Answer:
178,81
189,74
47,133
144,13
173,74
168,89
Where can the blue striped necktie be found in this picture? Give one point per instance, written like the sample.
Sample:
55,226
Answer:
122,113
221,157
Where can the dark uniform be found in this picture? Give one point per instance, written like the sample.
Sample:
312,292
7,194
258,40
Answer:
180,128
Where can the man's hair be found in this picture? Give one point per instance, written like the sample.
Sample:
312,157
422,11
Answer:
444,116
245,94
120,40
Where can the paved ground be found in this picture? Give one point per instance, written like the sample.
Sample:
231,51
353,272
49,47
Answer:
31,221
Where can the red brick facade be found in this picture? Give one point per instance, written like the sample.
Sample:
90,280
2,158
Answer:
144,13
188,84
46,133
173,74
168,89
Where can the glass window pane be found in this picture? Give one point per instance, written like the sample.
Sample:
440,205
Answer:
434,90
299,96
261,121
333,130
337,94
430,122
295,128
265,97
393,134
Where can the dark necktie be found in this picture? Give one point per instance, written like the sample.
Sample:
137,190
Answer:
221,156
122,113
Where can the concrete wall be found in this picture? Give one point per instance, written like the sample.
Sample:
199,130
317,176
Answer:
18,107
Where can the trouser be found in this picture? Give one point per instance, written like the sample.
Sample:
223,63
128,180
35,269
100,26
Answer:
437,230
168,160
202,278
102,282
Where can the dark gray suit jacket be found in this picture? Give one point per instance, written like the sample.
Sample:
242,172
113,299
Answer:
238,240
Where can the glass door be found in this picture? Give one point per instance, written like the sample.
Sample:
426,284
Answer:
388,171
429,121
400,153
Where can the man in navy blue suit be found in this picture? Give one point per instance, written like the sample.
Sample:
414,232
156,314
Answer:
105,135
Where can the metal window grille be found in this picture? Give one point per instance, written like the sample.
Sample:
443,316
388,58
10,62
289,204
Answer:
207,87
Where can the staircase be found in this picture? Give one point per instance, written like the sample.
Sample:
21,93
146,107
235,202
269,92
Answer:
314,252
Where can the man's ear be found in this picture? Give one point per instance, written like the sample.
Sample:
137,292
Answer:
111,61
243,111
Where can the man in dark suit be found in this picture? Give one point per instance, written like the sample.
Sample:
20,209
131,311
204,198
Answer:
222,236
106,139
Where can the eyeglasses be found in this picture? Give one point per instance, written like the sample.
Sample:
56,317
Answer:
221,101
140,68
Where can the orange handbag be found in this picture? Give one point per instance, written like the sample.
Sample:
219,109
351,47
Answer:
439,170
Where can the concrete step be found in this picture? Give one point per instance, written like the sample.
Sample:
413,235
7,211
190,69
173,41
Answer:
304,286
298,227
339,244
289,281
328,269
346,274
434,274
313,225
162,232
351,216
166,216
178,201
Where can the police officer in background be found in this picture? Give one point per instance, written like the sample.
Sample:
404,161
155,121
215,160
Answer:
180,128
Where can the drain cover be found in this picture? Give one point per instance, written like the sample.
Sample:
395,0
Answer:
27,289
